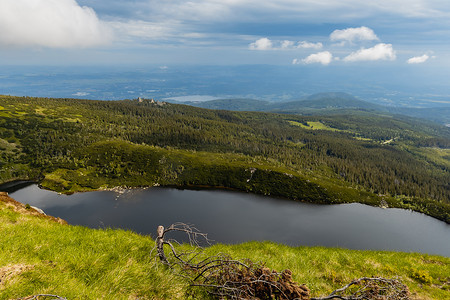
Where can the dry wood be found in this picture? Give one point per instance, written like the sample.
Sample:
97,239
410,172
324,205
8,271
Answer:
223,276
227,278
366,288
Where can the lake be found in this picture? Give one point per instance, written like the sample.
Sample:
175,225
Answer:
235,217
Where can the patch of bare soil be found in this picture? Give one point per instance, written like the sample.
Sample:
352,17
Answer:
10,271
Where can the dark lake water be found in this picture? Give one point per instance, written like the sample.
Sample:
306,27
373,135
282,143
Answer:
234,217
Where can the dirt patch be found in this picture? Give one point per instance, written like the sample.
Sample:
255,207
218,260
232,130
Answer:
25,209
10,271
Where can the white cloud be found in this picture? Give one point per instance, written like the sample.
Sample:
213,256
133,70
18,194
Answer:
353,34
142,29
418,59
308,45
287,44
324,58
378,52
50,23
266,44
261,44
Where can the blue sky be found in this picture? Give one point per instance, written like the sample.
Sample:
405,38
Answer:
319,33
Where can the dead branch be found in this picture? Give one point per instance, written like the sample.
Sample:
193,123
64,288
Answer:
194,235
223,276
226,278
366,288
252,281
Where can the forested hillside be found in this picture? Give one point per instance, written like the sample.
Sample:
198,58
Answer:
326,104
71,145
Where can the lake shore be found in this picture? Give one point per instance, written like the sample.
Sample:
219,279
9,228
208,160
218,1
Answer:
383,202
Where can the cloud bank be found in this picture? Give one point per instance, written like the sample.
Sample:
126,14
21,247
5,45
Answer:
50,23
328,11
378,52
418,59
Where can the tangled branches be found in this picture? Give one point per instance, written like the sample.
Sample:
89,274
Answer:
234,279
194,240
225,277
370,289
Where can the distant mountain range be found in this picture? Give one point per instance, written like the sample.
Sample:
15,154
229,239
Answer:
324,103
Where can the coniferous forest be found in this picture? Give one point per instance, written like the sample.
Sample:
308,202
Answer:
71,145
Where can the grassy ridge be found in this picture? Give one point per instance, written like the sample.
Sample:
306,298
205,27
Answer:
38,255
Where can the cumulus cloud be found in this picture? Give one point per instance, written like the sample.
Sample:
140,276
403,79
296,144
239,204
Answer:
50,23
418,59
261,44
378,52
324,58
353,34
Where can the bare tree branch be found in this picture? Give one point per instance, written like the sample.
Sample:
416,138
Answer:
223,276
366,288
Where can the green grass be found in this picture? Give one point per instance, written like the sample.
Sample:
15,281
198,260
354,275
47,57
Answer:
316,125
313,125
436,155
81,263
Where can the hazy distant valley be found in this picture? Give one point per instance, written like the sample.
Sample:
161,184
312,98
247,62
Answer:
201,83
323,104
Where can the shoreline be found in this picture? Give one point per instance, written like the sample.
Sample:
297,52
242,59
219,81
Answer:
14,185
121,189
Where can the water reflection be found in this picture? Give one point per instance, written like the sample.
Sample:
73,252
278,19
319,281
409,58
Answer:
233,217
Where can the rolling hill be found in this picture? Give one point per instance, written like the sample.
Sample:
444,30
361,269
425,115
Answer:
325,103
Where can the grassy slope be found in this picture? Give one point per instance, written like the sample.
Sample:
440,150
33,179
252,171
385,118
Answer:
38,255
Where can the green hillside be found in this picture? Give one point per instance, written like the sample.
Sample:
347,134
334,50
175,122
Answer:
436,114
325,101
233,104
71,145
326,104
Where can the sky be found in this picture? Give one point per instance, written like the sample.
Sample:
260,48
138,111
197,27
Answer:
320,33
